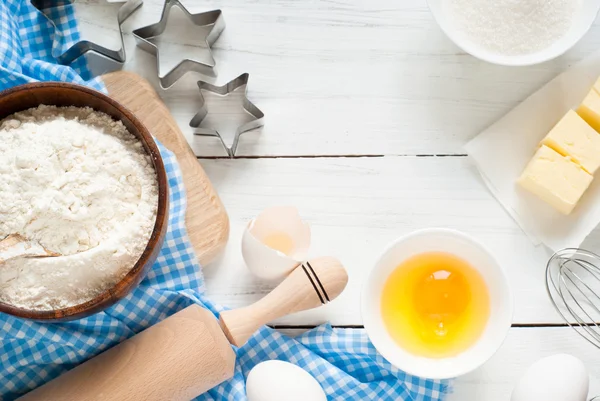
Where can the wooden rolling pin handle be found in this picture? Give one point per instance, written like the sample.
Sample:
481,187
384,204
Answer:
177,359
311,284
187,353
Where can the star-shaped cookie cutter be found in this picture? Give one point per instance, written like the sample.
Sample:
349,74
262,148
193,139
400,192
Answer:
249,107
66,55
144,34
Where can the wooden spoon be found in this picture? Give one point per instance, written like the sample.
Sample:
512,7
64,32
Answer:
17,246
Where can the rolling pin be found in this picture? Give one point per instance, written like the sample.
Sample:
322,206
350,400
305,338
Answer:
189,353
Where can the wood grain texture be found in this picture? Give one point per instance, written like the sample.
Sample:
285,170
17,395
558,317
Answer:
310,285
355,77
206,219
495,380
356,207
187,353
177,359
347,77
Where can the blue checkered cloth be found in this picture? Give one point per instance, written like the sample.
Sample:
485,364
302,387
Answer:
342,360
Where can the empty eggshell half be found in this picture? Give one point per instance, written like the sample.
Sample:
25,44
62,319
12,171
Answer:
275,242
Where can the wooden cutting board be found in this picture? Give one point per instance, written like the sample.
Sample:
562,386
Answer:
206,219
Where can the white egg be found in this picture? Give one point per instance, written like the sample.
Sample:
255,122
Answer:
559,377
282,381
275,243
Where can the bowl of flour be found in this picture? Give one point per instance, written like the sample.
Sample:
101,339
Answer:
515,32
82,176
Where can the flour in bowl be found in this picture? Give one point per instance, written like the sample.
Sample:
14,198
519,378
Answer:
81,185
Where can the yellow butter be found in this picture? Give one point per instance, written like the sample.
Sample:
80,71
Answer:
589,109
573,137
555,179
596,86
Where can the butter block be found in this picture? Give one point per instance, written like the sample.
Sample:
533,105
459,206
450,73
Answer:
596,86
573,137
555,179
589,109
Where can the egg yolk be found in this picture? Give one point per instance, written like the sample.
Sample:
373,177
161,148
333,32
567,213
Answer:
279,241
435,305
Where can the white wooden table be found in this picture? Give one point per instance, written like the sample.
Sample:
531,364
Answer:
368,107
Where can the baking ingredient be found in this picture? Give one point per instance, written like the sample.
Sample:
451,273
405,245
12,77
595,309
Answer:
16,246
275,242
555,179
279,380
435,305
562,168
596,85
512,27
279,241
589,109
82,186
559,377
573,137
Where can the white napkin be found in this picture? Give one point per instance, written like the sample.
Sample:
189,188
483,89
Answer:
502,151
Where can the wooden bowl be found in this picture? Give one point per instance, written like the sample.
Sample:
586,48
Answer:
32,95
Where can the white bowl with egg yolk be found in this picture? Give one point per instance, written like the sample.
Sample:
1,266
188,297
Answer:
479,258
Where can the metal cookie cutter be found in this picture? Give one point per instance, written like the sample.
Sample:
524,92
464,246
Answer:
144,34
90,38
249,107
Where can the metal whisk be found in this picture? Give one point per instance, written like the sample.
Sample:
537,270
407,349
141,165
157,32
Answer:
573,284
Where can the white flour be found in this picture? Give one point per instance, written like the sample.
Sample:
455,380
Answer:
81,185
512,27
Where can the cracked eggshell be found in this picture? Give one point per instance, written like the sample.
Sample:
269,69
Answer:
276,227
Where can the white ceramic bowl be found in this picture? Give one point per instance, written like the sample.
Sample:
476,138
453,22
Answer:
465,247
583,20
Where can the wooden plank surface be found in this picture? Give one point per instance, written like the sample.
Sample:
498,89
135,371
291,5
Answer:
348,77
356,206
495,380
358,78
